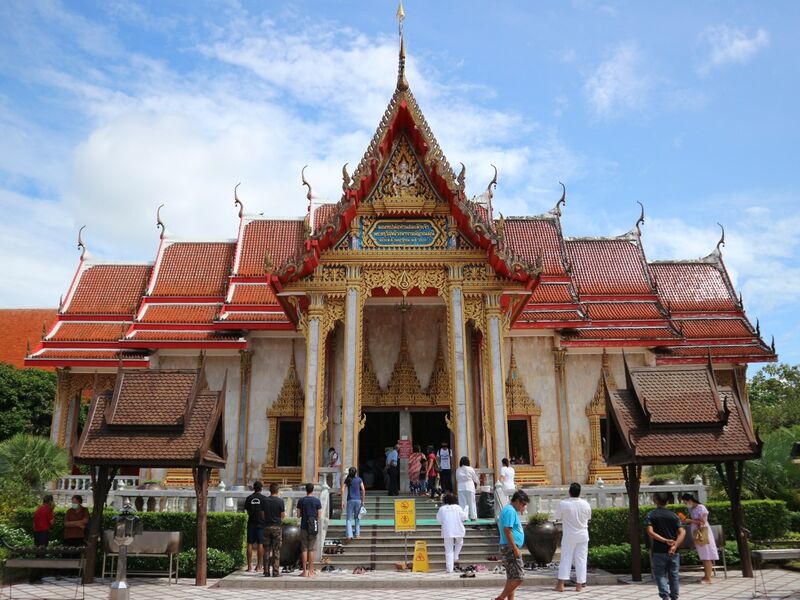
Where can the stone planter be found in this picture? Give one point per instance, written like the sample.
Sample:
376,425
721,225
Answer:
290,546
542,539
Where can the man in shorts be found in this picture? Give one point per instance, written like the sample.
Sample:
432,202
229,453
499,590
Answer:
274,511
256,521
309,509
511,539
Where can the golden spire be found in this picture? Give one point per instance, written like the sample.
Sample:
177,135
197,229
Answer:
402,84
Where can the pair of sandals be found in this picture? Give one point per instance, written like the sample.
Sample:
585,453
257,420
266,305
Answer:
361,570
333,550
499,569
331,569
492,558
468,572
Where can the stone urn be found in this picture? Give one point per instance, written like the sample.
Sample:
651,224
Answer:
542,538
290,545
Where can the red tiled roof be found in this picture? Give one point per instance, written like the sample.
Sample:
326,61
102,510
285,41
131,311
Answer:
84,354
551,315
622,333
151,398
255,293
18,328
280,239
719,350
194,269
692,286
675,396
715,328
551,293
247,316
323,214
108,290
182,336
607,267
180,313
623,311
93,331
529,237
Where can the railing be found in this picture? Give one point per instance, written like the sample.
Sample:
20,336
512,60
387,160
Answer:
500,498
325,501
83,483
331,477
546,499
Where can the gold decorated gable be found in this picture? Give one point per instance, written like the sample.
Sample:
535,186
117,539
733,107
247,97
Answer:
290,401
404,388
518,401
403,187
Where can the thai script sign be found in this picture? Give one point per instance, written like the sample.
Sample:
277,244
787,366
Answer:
394,233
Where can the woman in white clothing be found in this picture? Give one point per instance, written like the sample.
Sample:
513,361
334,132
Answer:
467,479
507,477
452,517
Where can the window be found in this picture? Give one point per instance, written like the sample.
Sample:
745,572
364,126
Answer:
603,439
519,442
289,442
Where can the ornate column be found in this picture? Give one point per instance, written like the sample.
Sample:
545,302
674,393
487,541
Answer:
314,384
61,408
596,412
458,357
245,369
353,344
560,361
497,395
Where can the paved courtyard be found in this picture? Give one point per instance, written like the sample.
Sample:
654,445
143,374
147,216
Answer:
780,585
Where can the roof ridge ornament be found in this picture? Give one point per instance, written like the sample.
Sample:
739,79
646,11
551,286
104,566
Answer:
402,83
159,223
81,245
561,201
721,241
236,201
461,178
309,196
640,221
346,180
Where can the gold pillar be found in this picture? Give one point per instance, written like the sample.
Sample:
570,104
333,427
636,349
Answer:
458,367
315,381
496,377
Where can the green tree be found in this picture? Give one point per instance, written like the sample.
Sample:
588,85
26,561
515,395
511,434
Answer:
775,397
27,463
26,401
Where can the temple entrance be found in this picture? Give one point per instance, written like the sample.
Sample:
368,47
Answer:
381,431
429,428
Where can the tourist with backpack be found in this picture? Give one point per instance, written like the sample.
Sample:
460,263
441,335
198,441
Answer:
309,509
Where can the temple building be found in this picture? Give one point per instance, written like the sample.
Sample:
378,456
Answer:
405,311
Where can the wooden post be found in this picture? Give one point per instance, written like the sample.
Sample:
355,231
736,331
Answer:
101,484
201,477
633,474
733,483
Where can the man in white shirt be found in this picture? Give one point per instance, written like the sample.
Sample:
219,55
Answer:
335,463
507,475
445,460
574,513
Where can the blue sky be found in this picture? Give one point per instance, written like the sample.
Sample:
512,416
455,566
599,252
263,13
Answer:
108,109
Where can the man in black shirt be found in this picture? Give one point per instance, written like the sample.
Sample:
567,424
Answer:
309,509
254,505
667,532
274,511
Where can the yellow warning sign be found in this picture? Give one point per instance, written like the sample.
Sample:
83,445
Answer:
405,515
420,557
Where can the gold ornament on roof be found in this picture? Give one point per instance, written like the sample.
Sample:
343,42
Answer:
403,187
290,401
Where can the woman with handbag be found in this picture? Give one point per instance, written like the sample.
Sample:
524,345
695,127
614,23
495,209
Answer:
702,535
355,492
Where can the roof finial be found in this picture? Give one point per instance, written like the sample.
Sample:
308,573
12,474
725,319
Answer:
236,201
308,185
758,328
402,84
721,241
81,245
772,345
561,201
461,179
159,223
345,178
640,222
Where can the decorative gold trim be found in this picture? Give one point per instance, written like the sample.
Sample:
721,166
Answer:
290,403
404,280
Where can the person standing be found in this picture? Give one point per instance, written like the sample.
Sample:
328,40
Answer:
75,521
414,467
507,474
309,509
43,519
354,493
255,505
274,511
466,480
699,521
511,539
335,463
667,532
393,472
574,513
433,473
451,517
445,459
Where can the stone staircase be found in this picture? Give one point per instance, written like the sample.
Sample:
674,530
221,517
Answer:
379,547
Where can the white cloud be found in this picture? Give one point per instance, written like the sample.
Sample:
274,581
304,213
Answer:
620,83
731,45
